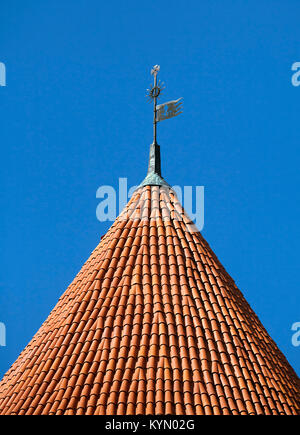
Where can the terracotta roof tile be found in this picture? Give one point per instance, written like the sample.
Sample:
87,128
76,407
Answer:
152,324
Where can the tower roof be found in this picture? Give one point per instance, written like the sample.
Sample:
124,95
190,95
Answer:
152,324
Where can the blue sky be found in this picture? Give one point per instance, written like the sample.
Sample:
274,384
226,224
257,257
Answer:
74,117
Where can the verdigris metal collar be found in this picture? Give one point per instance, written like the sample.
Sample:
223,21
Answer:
153,177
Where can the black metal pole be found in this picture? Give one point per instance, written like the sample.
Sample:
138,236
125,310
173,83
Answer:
154,118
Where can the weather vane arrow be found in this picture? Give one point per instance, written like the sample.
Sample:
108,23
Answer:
162,111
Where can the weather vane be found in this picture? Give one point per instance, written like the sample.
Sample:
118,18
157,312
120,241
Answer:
165,110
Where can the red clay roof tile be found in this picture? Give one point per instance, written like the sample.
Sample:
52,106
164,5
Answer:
152,324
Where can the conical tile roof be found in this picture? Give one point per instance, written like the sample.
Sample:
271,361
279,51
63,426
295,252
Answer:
152,324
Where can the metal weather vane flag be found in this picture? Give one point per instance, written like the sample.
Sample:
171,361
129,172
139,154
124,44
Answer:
162,111
168,110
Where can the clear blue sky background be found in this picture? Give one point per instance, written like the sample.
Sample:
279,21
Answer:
74,116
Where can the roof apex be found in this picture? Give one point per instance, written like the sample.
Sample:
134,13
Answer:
153,177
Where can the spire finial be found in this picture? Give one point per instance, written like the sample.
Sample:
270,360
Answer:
161,112
153,94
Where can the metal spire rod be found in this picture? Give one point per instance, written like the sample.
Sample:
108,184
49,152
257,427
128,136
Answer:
162,111
154,108
153,93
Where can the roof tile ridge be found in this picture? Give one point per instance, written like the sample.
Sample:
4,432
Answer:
132,292
132,394
204,373
131,229
144,356
137,207
221,387
162,255
105,389
184,406
151,365
141,392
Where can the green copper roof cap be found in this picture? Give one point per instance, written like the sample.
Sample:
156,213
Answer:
153,177
154,180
